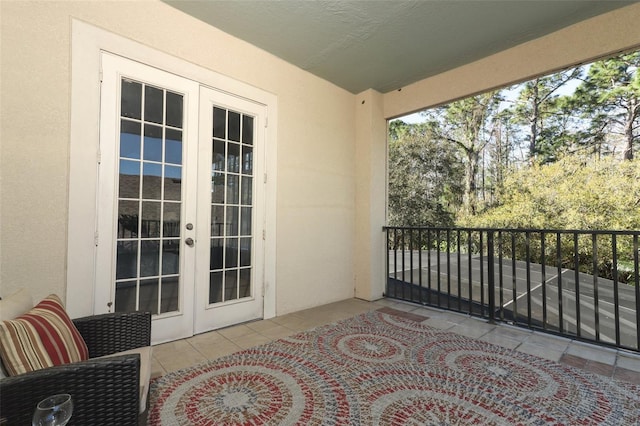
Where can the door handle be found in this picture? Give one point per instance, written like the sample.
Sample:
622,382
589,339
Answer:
189,242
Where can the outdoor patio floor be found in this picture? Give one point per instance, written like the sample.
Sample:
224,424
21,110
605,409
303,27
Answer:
619,364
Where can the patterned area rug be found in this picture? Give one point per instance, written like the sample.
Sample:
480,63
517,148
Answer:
380,369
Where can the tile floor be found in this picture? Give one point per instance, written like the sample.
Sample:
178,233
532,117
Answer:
180,354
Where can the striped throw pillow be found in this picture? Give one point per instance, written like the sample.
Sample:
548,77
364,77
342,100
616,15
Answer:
43,337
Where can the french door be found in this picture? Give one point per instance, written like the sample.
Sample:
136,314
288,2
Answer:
179,203
230,243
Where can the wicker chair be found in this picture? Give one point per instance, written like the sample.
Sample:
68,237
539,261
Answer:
105,391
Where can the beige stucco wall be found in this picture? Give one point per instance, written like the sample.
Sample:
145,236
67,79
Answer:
316,179
330,179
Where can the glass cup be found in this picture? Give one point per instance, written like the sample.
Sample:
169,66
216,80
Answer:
54,410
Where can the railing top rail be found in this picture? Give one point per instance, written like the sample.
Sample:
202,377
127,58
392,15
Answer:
531,230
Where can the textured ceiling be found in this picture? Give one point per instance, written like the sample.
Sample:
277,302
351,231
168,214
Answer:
384,44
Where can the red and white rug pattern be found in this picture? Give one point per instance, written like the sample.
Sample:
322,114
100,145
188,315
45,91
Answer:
379,369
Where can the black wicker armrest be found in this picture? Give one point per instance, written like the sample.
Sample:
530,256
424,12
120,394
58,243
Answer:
116,332
104,391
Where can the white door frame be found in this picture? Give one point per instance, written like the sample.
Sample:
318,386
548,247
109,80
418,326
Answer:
87,44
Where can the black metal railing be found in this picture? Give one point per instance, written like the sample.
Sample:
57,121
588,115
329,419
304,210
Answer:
575,283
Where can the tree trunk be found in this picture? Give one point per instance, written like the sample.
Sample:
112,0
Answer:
632,112
470,189
533,120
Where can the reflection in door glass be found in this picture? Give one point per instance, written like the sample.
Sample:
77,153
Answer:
231,284
149,295
128,219
126,259
152,143
129,179
170,257
150,219
231,206
130,139
174,110
126,296
170,295
131,99
234,126
173,146
215,287
153,105
171,220
151,185
149,199
172,183
149,258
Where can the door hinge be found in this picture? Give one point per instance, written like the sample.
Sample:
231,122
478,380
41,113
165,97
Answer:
266,122
99,156
265,178
264,234
95,238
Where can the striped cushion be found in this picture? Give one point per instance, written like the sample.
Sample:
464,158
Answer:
43,337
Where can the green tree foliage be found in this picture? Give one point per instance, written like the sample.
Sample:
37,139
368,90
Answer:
609,98
538,109
466,124
572,193
497,158
499,138
424,177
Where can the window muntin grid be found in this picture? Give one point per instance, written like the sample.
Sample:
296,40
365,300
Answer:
232,180
149,201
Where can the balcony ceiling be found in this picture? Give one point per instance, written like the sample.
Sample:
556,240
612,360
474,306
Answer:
386,44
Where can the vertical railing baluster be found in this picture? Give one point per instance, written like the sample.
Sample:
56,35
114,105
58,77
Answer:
616,300
470,272
395,262
404,255
448,268
576,267
514,288
527,239
412,288
481,243
421,291
559,263
491,278
596,310
438,266
636,270
543,277
500,275
459,271
388,261
429,267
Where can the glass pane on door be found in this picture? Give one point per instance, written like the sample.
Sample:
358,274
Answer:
149,199
231,238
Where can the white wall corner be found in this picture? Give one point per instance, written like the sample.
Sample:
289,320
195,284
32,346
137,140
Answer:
370,211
